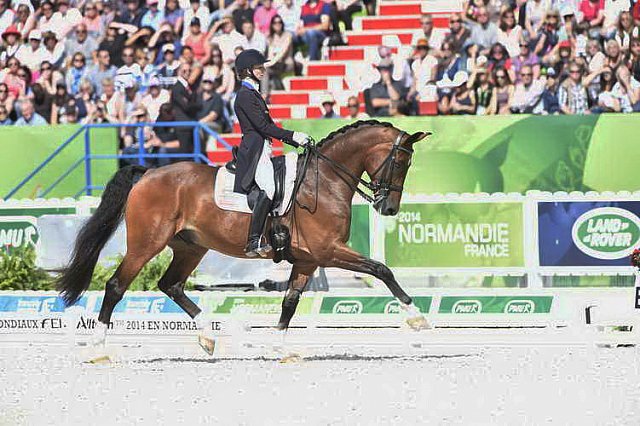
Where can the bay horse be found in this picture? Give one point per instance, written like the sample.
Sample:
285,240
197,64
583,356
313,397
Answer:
174,206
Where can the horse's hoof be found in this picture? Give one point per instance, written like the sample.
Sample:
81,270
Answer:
104,359
419,322
290,359
208,344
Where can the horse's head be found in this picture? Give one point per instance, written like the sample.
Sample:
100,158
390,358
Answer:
387,167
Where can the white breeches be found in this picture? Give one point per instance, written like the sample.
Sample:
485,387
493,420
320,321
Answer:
264,172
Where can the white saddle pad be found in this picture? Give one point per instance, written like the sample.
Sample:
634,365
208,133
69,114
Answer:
226,199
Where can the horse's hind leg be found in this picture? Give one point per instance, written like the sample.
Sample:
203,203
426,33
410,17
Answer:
346,258
186,258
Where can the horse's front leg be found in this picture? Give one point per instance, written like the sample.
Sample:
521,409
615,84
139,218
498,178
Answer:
346,258
300,274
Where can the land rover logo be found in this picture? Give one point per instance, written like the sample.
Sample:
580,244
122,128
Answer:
467,307
520,307
392,307
19,231
347,307
606,233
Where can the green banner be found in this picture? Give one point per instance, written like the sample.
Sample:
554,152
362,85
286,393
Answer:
456,235
369,305
259,305
359,238
515,153
24,148
495,304
19,227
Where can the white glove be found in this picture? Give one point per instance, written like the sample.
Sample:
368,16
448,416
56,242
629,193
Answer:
300,138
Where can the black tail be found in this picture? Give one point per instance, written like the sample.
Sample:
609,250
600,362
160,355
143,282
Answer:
76,276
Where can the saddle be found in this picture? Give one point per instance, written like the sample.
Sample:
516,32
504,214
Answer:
279,171
285,170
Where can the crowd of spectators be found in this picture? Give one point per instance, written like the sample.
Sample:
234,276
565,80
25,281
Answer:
512,57
96,61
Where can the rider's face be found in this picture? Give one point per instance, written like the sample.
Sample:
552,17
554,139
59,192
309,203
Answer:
259,71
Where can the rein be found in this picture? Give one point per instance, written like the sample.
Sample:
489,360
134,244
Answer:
380,188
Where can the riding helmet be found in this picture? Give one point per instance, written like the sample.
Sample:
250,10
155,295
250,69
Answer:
249,58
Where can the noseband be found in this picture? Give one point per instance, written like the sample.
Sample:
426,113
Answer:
381,186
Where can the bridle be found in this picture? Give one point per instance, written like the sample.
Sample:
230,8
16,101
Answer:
382,186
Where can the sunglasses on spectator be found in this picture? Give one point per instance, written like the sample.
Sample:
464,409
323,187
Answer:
22,75
78,60
277,22
500,76
130,55
3,90
427,23
574,71
526,74
455,21
354,106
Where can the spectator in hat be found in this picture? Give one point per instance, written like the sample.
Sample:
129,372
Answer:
434,38
25,19
211,112
484,33
197,41
76,72
53,51
527,95
263,15
7,15
424,68
32,54
458,33
28,116
227,38
101,70
195,10
167,71
314,16
525,57
164,35
155,97
153,17
463,99
253,39
550,104
92,20
81,42
11,37
327,102
279,53
385,90
131,136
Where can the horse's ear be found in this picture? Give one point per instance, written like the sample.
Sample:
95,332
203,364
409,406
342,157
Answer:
417,136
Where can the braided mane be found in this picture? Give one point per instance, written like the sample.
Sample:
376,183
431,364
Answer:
344,129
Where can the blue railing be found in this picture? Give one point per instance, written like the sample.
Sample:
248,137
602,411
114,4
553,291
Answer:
142,155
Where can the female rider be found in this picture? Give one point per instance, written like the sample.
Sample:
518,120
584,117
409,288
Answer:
254,170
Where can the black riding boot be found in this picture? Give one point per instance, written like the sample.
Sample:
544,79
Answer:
258,220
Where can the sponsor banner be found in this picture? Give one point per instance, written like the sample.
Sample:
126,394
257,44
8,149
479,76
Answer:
18,231
456,235
369,305
136,305
588,233
260,305
23,304
141,324
495,304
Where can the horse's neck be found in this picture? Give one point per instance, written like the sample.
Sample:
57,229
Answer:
350,152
